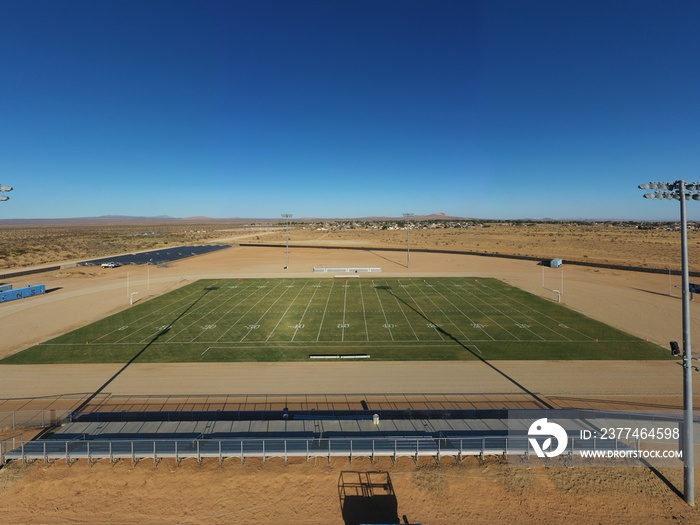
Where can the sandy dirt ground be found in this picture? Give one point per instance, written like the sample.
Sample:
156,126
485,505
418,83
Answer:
277,493
641,304
635,302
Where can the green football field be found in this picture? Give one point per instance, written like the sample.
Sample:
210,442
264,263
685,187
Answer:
385,319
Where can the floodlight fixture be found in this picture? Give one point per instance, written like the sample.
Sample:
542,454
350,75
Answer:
675,349
5,189
683,192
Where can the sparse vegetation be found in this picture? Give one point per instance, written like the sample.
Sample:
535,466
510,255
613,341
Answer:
46,242
626,243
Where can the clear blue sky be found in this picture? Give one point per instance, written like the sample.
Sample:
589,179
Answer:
335,108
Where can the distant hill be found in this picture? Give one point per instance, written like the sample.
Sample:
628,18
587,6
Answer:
430,217
200,219
115,219
103,219
164,219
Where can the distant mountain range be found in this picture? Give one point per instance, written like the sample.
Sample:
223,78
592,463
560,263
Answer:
128,219
431,217
165,219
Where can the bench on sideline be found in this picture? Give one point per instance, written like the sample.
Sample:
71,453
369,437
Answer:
339,356
347,270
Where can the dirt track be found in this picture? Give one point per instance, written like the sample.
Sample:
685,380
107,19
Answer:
637,303
275,492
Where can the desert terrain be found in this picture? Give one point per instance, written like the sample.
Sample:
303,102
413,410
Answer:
31,243
643,304
297,492
606,243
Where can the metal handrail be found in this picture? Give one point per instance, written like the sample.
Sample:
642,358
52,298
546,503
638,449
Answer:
280,447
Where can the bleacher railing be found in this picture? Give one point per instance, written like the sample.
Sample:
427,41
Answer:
222,449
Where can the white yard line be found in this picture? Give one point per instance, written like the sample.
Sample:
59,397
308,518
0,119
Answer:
236,344
386,321
345,302
206,315
171,335
246,312
285,312
259,320
325,309
164,307
405,317
483,329
542,315
522,326
443,289
218,320
435,326
183,327
364,312
301,321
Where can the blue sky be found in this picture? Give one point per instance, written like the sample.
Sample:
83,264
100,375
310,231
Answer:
254,108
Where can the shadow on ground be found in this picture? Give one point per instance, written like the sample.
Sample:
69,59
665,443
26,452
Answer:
367,497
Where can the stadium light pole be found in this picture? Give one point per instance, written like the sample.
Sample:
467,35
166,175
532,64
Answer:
287,216
4,189
682,191
408,216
